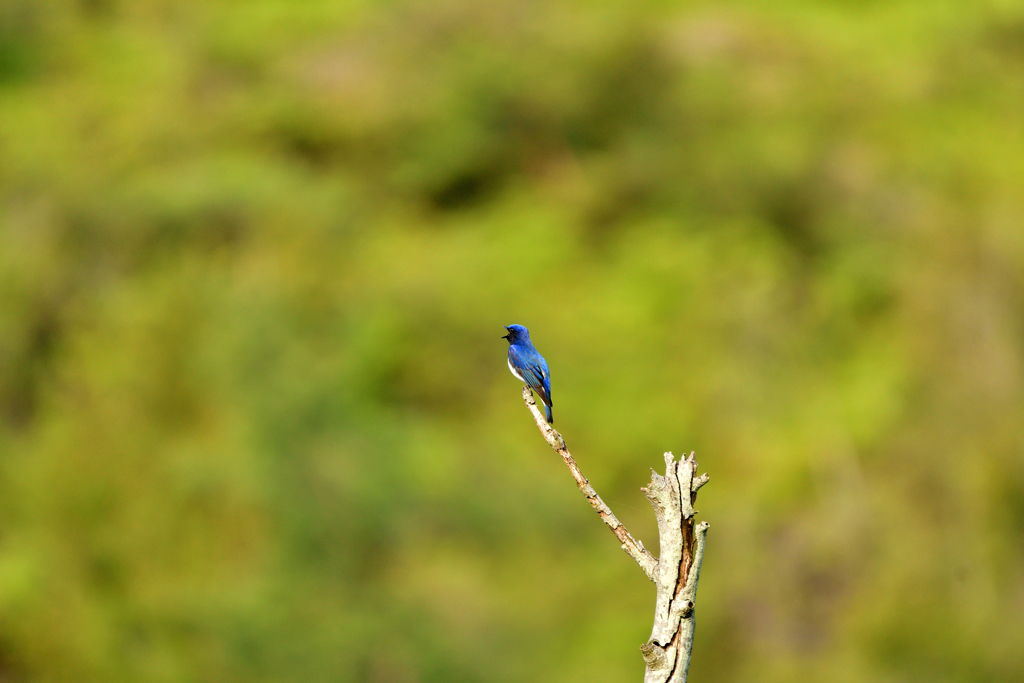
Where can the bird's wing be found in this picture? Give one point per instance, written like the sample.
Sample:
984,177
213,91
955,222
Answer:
535,373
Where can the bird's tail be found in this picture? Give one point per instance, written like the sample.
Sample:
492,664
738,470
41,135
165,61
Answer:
547,409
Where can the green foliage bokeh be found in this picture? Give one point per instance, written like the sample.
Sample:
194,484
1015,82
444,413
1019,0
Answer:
255,260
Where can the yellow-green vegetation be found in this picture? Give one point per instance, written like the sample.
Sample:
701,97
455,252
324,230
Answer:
255,260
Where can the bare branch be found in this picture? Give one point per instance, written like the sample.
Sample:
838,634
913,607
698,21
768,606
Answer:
633,548
667,653
677,569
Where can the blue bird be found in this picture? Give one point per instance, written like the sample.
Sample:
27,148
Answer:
528,365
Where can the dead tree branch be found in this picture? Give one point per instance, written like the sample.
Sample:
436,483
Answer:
676,572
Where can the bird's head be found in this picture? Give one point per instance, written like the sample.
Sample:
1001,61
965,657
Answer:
516,333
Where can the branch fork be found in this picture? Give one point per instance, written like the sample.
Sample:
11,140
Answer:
677,569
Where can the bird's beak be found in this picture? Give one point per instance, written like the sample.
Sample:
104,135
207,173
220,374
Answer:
507,335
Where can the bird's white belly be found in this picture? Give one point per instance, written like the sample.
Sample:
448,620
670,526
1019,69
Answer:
514,373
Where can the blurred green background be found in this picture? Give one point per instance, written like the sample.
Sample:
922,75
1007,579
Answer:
255,260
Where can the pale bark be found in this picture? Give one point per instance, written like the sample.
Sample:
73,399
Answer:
676,571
